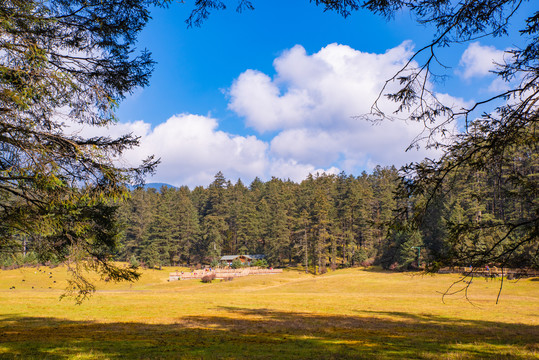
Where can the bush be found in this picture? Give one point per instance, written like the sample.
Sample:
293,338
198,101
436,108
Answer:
262,263
359,256
134,262
367,263
236,264
31,258
6,261
48,259
208,278
17,260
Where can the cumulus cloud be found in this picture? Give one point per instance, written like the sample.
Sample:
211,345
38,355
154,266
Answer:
297,171
272,110
325,89
192,150
478,60
312,104
308,110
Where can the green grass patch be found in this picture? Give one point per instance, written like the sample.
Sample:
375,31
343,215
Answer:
347,314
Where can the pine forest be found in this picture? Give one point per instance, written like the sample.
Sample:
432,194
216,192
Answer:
331,221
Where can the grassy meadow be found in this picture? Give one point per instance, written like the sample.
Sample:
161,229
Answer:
346,314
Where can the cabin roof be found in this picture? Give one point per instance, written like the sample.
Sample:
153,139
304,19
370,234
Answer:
249,257
232,257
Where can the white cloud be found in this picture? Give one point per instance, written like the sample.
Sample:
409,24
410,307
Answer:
324,89
257,97
192,150
453,102
310,107
297,171
306,145
312,104
499,85
478,60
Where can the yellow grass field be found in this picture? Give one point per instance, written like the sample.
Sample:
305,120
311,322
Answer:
346,314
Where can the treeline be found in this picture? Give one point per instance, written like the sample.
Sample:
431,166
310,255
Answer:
471,218
325,220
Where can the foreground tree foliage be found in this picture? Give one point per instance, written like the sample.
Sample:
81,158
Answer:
67,63
500,133
494,160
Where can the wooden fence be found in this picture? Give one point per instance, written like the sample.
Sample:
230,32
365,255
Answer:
490,272
222,273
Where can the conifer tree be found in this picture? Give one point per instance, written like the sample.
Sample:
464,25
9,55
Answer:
278,231
159,242
67,62
136,215
249,226
320,218
186,220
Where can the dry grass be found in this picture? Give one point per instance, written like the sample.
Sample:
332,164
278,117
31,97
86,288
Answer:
344,314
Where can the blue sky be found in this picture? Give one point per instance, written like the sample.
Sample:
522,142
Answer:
274,91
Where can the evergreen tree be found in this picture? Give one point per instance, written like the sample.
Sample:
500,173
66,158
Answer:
320,218
249,225
160,238
278,231
215,214
55,184
384,184
136,215
189,226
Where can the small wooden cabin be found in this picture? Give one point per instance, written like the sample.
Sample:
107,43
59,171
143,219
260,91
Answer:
228,259
245,259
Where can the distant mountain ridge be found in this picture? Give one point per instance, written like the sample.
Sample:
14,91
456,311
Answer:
156,186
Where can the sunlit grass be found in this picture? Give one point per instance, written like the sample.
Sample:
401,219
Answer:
344,314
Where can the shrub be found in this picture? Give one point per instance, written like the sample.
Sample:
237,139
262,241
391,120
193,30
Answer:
214,263
262,263
359,256
6,261
134,262
31,258
52,264
208,278
236,264
367,263
19,259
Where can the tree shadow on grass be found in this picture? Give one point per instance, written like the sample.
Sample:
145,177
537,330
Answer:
242,333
